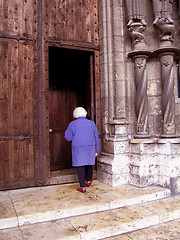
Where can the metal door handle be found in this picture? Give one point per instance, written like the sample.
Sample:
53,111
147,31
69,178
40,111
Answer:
50,130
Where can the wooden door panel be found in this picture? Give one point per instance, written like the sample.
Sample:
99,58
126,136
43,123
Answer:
77,20
60,116
18,18
17,167
17,112
57,150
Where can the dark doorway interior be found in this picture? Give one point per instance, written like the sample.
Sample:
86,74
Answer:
70,78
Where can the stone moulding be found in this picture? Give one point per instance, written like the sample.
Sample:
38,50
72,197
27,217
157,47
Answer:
119,122
167,50
156,140
155,53
140,53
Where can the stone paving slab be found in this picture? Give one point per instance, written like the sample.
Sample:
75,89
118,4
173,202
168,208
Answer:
40,204
54,230
8,217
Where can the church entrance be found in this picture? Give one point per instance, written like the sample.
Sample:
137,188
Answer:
71,84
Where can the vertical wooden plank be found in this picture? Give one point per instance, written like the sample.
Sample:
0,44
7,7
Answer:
25,96
16,91
14,11
40,97
11,162
27,18
4,87
43,164
2,15
4,161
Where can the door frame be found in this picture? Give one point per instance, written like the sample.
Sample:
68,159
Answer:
95,99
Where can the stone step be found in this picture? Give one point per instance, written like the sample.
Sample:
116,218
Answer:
165,231
121,222
32,205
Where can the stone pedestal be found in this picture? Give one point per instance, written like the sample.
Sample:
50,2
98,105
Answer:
113,169
154,161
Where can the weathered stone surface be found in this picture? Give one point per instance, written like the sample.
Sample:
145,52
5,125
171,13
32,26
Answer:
33,205
107,211
152,160
8,217
168,231
11,234
175,185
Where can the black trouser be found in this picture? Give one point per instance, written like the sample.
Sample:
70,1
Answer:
84,174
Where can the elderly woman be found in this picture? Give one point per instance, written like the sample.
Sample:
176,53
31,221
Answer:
85,146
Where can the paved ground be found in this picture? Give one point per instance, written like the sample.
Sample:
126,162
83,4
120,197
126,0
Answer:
60,212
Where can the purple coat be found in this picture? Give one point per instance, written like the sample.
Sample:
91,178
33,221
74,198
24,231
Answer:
85,141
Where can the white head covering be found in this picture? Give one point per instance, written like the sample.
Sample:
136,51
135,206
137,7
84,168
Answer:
79,112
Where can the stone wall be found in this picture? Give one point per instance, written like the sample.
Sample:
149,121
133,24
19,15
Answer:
140,105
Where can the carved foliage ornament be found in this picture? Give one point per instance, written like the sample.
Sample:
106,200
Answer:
140,63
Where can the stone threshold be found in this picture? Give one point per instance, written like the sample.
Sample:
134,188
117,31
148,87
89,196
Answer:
65,176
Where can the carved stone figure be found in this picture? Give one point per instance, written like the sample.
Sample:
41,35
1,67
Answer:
136,33
166,28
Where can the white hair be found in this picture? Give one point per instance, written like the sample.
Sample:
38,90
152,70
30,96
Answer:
79,112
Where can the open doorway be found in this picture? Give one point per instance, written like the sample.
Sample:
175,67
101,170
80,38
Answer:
71,84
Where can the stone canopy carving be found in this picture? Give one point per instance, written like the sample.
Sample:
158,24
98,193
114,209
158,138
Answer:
136,19
163,20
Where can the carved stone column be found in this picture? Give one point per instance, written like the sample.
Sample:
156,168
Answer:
112,164
168,103
165,26
141,94
136,25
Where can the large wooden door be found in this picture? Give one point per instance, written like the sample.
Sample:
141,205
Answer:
71,77
28,29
